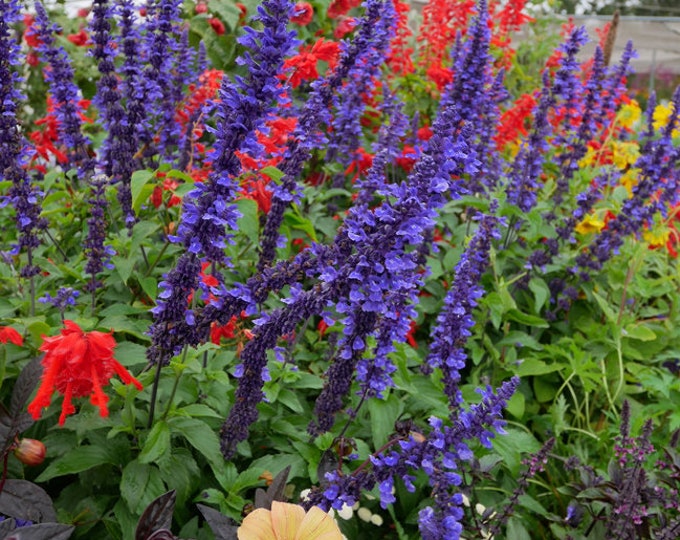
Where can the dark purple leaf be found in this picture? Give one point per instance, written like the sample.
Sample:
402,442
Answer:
221,526
162,534
7,526
42,531
24,386
274,491
25,500
158,515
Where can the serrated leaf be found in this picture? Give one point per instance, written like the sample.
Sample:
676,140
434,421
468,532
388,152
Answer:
140,485
639,331
43,531
158,515
248,223
141,188
201,436
157,443
384,413
221,526
25,500
525,318
78,460
273,173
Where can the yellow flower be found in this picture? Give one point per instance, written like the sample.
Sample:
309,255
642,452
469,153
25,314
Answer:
629,115
289,522
656,238
662,113
590,224
624,153
630,179
588,159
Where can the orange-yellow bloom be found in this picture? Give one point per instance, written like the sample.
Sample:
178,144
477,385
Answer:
78,364
289,522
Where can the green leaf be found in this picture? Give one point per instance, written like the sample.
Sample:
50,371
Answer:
140,485
202,437
516,405
273,173
140,187
124,267
534,366
524,318
384,414
157,443
248,223
226,11
639,331
78,460
541,293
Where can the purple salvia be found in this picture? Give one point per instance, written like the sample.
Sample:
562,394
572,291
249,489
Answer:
98,255
344,140
658,174
162,29
132,85
454,322
315,112
209,210
567,90
117,153
436,453
14,153
65,93
522,184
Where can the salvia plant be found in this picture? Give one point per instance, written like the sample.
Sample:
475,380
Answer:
289,270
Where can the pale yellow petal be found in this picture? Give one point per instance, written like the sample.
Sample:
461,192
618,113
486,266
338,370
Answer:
257,526
286,519
318,525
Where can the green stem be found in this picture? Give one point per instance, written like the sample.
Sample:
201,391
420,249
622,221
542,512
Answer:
178,376
154,394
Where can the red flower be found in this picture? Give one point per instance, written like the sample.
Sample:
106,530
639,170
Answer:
217,25
83,12
201,8
345,26
304,63
304,13
9,334
79,39
78,364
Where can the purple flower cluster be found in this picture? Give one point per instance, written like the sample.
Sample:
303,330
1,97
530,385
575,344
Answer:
209,210
23,194
65,93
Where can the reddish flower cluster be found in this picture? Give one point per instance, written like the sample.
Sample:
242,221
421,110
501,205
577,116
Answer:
10,335
338,8
304,13
400,62
78,364
303,64
513,122
168,186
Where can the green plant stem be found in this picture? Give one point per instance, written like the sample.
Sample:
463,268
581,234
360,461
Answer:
157,260
178,376
154,394
31,284
56,245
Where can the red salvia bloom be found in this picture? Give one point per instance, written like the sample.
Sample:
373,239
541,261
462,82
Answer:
304,63
304,13
80,39
10,335
78,364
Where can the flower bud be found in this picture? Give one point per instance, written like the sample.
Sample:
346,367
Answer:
30,452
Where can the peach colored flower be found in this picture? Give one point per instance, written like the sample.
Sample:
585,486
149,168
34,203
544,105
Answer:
289,522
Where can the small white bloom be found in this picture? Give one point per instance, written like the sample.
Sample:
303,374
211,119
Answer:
364,514
346,512
377,520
